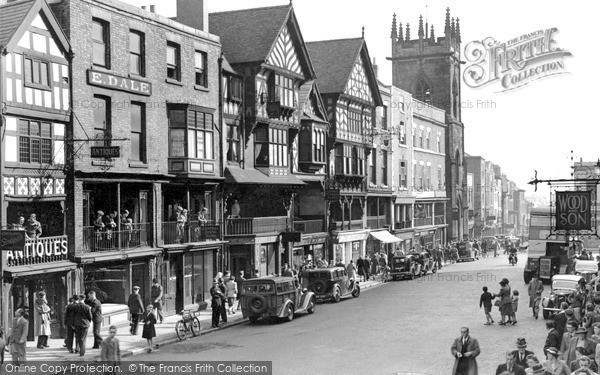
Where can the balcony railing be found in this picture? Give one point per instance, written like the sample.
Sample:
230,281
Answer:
112,240
422,221
309,226
375,222
255,225
174,233
403,225
354,224
440,219
39,250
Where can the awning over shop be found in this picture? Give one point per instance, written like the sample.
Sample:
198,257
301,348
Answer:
385,236
252,176
40,268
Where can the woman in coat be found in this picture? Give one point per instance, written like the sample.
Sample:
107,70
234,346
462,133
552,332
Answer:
149,332
554,365
42,321
505,301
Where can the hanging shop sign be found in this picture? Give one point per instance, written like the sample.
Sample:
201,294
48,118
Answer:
105,151
573,210
114,82
12,240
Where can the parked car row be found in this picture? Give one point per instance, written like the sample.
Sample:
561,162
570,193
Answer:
282,298
412,265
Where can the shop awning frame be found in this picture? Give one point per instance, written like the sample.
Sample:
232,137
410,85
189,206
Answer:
385,236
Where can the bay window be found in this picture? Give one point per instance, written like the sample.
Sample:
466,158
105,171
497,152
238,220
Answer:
200,136
270,147
191,133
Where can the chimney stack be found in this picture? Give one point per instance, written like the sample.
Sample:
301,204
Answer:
143,6
153,8
192,13
375,68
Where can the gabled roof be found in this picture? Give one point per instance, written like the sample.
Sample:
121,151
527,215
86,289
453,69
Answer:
334,60
304,95
248,35
15,18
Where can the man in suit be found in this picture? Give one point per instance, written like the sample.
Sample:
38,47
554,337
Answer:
510,367
96,308
82,319
216,301
70,324
156,293
136,309
111,351
18,337
465,349
560,319
553,338
521,353
582,362
535,289
580,340
566,342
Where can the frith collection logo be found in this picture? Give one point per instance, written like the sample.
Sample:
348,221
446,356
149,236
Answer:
515,63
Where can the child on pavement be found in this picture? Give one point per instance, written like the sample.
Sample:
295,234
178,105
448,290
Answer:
486,301
149,331
515,304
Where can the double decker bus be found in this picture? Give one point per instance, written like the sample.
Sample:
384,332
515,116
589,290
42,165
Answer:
547,253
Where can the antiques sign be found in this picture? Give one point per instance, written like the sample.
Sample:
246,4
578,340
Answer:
105,151
12,240
573,210
114,82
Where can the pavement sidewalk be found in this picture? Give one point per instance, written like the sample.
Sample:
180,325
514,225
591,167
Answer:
132,345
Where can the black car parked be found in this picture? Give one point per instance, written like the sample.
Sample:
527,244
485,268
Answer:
330,283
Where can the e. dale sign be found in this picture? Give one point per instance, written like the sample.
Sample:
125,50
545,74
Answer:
573,210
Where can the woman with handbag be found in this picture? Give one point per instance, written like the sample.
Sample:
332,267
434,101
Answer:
505,303
42,322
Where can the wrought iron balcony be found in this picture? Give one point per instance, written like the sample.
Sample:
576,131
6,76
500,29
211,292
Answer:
139,235
376,222
309,226
403,224
194,231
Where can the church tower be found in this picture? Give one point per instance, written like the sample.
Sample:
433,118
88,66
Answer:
429,68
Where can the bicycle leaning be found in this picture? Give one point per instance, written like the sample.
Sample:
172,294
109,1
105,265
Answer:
189,322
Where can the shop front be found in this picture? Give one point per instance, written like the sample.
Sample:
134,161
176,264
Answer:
41,265
425,239
349,245
311,248
187,273
383,241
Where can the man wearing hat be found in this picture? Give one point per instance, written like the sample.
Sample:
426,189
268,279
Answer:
136,309
521,353
83,318
539,369
580,340
560,319
70,324
565,343
216,303
510,367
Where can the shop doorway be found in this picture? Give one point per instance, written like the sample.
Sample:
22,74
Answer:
168,280
140,277
241,260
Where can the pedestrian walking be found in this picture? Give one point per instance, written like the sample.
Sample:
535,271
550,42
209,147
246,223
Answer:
287,271
582,364
535,367
510,367
42,321
560,319
367,267
241,279
553,364
505,302
216,301
535,290
351,270
465,350
580,341
156,293
136,309
110,351
70,324
486,301
553,338
521,354
149,332
360,265
18,338
565,342
515,305
83,318
223,308
588,319
232,290
96,308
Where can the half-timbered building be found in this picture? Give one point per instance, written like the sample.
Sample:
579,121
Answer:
350,92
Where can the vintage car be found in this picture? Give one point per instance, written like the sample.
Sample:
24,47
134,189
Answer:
491,243
404,266
465,251
586,268
562,287
331,284
274,297
426,261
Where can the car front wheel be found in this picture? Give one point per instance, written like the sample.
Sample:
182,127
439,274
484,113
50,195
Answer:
356,292
337,295
311,306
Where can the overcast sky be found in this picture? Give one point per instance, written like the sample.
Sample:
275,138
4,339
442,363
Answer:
531,128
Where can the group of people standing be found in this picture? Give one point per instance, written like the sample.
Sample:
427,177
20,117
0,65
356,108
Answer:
224,292
507,303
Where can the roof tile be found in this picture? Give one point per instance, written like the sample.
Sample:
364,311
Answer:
333,61
11,16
